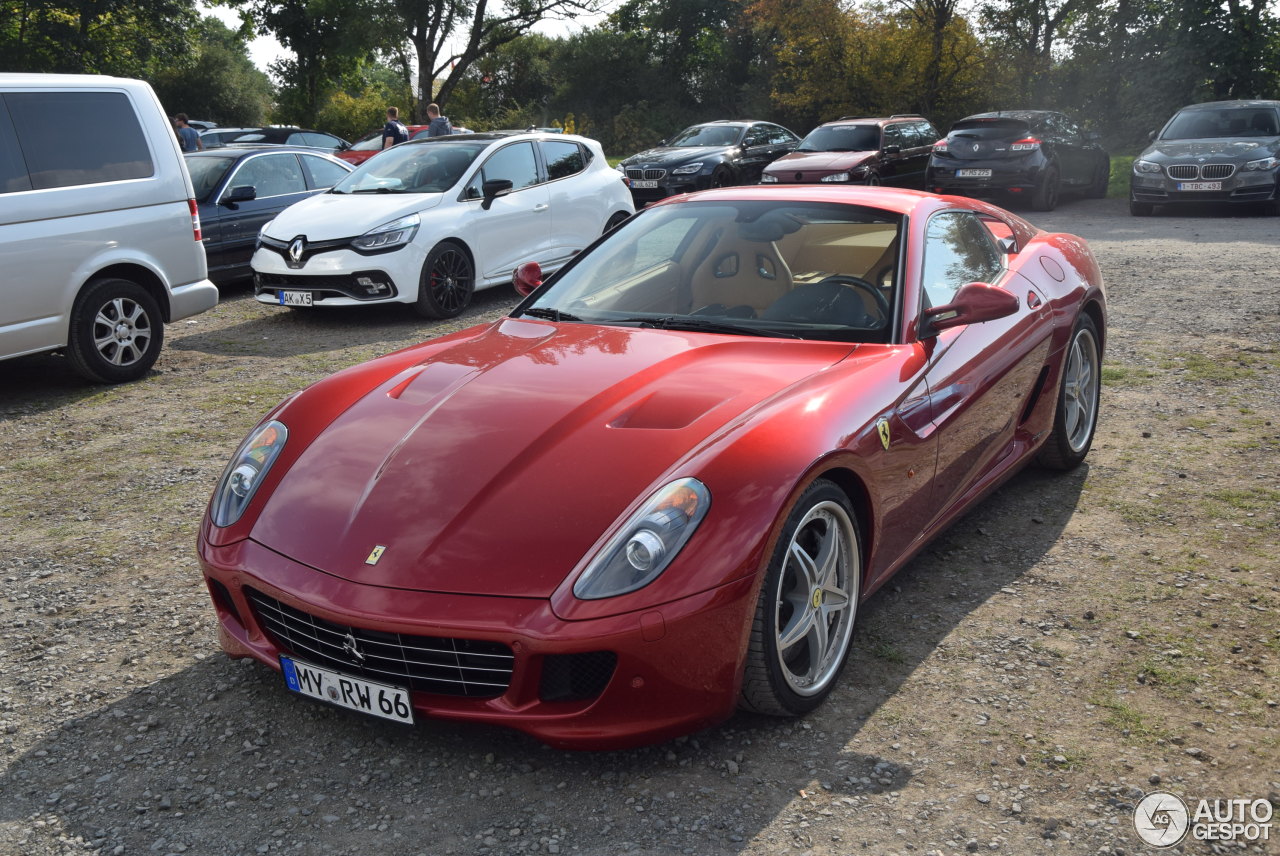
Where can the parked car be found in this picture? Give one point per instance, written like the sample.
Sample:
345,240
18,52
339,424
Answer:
431,220
369,145
99,233
851,150
238,189
663,485
1222,151
421,133
713,154
201,124
1031,155
274,135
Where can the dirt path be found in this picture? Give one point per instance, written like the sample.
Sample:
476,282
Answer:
1074,643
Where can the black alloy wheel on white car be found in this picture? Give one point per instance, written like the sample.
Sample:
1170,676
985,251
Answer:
448,281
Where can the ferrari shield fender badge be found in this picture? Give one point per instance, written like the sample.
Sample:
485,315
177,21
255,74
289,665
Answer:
375,555
882,428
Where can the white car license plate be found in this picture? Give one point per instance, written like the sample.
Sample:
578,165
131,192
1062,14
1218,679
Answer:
644,184
347,691
973,173
1199,185
295,298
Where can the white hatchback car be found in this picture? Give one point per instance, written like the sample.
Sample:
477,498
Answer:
430,221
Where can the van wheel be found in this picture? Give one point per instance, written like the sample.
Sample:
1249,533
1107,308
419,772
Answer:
448,280
116,331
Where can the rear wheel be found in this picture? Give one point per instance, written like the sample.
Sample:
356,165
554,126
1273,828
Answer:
807,605
1140,209
1098,187
1076,415
1045,197
618,218
448,281
116,331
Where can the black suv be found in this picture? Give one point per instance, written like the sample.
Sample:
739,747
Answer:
1223,151
1034,155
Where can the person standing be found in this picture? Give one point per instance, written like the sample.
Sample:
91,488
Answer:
394,131
438,126
188,137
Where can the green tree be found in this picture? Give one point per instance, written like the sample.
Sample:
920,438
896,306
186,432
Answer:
216,80
130,38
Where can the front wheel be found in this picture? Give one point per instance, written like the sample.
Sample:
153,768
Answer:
1075,416
116,331
1140,209
872,179
448,281
1045,197
721,178
805,613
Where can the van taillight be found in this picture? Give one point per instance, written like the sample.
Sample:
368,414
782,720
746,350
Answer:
1026,144
195,220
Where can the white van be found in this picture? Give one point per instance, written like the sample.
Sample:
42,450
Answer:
99,236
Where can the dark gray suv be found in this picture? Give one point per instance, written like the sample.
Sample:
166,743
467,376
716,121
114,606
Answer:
1222,151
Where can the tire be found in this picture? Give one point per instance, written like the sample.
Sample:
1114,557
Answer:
721,178
1045,197
872,179
1075,416
116,331
1098,188
448,281
818,560
1140,209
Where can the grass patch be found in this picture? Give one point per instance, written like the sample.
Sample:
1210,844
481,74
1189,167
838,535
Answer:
1124,718
1253,499
885,651
1126,376
1202,367
1118,184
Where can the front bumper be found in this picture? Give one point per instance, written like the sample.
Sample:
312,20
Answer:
669,185
1243,186
340,277
678,666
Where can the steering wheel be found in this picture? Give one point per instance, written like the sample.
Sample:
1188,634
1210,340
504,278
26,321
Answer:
857,282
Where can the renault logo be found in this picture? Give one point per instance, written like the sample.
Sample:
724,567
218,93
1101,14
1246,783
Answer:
296,248
353,650
976,147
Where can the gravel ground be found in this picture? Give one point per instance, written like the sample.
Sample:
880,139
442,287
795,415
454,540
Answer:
1077,641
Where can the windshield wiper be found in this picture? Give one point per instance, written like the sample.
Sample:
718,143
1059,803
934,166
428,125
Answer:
702,325
378,190
550,314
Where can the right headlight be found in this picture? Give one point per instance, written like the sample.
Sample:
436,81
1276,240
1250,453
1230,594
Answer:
647,543
1262,163
1142,166
766,178
388,236
248,467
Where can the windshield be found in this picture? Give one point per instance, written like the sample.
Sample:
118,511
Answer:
206,172
708,135
841,138
412,168
812,270
368,143
1226,122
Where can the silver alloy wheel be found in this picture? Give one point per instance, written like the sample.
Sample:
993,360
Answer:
816,598
1080,389
121,331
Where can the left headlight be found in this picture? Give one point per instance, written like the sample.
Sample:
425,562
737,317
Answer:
242,476
687,169
1263,163
389,235
1142,166
647,543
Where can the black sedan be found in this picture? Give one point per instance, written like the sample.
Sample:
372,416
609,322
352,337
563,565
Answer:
1222,151
274,135
713,154
1034,155
238,189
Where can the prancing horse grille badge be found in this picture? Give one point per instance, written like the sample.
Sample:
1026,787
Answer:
375,555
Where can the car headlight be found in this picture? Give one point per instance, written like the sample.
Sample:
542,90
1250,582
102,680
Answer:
838,176
687,169
1264,163
1142,166
394,234
768,179
242,476
647,543
264,228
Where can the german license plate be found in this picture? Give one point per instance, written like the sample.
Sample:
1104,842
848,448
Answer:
644,183
382,700
1199,185
973,173
295,298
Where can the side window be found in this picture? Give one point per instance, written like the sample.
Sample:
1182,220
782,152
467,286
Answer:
270,175
514,162
757,135
57,157
13,169
321,141
563,158
893,136
926,134
780,136
323,173
958,249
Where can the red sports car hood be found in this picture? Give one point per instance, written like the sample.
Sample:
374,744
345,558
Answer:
817,161
494,466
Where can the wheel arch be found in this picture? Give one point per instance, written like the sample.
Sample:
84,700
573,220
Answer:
143,276
855,489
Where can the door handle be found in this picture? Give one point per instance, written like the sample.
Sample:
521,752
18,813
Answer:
541,207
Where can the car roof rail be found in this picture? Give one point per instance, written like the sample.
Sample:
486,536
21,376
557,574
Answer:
906,116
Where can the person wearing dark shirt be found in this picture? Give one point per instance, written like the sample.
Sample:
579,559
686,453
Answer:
438,126
394,131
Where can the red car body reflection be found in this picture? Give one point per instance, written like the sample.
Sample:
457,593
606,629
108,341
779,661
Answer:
489,468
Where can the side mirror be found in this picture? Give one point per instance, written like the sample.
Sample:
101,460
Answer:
493,188
1008,245
240,193
892,150
1151,135
973,304
527,278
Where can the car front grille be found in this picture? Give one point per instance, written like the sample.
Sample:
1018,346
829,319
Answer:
1186,171
1218,170
457,667
647,174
